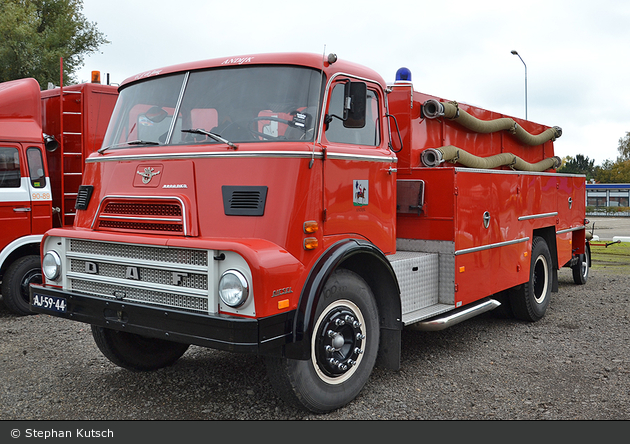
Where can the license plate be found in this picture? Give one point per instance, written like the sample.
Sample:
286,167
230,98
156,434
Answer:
52,303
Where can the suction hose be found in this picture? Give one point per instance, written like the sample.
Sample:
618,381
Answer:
433,109
433,157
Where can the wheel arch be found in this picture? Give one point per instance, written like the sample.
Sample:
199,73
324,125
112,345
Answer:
25,246
549,236
369,262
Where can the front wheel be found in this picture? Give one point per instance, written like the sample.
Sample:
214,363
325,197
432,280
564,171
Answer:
343,348
530,300
135,352
16,282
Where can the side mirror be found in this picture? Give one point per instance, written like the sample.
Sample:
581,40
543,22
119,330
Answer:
355,104
50,143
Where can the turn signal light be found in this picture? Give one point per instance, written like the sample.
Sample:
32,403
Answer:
310,227
310,243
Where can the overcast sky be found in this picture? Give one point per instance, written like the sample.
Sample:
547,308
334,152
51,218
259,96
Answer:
576,51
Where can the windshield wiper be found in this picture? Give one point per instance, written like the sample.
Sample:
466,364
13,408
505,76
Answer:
131,142
213,136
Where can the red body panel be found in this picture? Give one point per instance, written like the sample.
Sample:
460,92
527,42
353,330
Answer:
419,133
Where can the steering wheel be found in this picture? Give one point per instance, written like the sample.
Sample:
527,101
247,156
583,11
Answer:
255,132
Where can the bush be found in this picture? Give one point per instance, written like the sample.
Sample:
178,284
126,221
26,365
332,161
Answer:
608,211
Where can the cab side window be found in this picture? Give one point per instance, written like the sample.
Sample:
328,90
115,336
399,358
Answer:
9,168
36,167
368,135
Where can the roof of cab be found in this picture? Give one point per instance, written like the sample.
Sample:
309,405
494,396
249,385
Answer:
316,61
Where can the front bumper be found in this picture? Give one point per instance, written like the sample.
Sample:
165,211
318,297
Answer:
222,332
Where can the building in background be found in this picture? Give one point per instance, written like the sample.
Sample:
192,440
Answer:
613,195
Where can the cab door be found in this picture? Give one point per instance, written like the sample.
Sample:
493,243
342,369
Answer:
359,169
15,202
40,191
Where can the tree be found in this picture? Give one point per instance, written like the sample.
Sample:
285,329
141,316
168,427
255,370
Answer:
578,165
35,34
619,170
613,172
624,147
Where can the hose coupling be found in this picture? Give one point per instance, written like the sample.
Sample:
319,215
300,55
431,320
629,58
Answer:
431,157
432,109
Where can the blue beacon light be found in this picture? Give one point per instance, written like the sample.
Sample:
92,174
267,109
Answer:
403,75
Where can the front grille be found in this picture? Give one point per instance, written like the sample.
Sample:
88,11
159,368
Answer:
182,302
145,274
159,216
143,209
159,276
141,252
139,226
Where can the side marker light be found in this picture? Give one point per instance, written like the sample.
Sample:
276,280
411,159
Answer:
310,227
310,243
283,304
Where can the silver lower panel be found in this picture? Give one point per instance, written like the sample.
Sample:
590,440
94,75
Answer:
426,275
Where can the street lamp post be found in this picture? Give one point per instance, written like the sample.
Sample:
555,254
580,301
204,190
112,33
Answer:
517,54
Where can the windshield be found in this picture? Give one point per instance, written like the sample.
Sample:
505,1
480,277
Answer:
227,105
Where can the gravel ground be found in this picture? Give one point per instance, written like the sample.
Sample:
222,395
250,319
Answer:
574,364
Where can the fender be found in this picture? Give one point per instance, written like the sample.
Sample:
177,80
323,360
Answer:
369,262
31,240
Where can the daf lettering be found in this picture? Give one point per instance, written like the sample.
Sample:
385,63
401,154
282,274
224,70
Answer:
178,278
91,268
132,273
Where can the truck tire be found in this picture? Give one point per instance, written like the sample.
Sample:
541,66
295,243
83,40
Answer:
581,268
16,281
530,300
135,352
343,349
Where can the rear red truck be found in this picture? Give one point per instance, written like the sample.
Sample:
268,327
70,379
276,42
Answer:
41,170
303,210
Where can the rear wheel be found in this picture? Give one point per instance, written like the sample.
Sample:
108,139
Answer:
581,268
16,282
529,301
135,352
343,349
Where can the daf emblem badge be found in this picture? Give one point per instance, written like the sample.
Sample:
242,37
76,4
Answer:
147,175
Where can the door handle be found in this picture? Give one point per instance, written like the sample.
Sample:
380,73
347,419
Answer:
21,210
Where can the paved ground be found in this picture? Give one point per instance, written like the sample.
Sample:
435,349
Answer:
608,227
572,364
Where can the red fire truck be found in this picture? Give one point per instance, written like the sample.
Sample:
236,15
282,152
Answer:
37,190
297,207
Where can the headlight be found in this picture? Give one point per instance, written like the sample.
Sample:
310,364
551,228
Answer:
51,265
233,288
